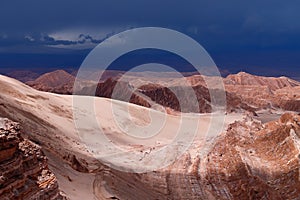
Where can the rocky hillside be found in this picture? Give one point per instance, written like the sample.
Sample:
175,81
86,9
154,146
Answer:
24,171
249,161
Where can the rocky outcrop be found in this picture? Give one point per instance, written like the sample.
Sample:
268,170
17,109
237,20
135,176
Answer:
258,161
250,160
24,171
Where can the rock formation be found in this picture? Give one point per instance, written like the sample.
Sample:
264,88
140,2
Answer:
24,172
249,161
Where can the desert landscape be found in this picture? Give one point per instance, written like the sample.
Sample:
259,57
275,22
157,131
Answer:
149,100
255,155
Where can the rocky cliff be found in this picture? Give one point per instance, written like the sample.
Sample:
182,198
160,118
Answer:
24,172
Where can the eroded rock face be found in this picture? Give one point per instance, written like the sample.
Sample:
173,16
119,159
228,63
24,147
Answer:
250,161
24,172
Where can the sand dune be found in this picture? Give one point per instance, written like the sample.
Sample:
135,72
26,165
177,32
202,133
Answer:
48,120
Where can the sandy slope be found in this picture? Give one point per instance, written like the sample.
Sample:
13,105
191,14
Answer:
49,120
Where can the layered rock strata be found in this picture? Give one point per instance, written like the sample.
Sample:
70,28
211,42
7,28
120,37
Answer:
24,172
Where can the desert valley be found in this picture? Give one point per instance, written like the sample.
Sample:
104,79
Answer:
149,100
256,154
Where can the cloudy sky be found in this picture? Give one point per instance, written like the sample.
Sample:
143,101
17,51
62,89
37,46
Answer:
257,36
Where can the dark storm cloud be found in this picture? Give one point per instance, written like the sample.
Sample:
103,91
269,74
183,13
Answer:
235,32
82,39
42,39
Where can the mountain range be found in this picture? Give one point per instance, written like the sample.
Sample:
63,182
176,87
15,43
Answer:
243,90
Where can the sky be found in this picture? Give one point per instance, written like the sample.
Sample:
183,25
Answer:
260,37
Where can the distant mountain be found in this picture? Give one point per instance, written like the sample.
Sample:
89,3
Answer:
244,91
58,81
272,83
265,92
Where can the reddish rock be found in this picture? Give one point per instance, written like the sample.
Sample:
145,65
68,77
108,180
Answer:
24,171
250,161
